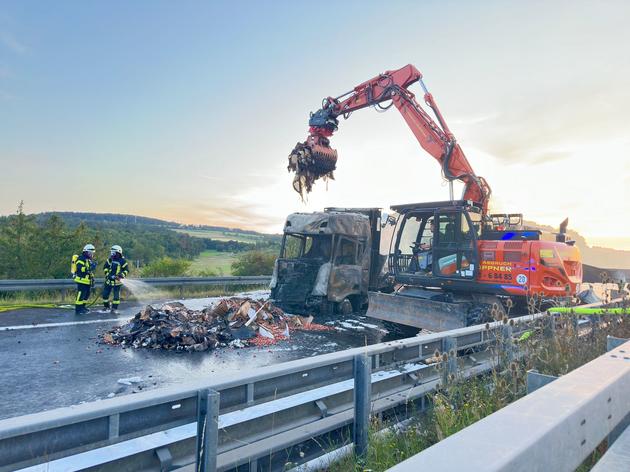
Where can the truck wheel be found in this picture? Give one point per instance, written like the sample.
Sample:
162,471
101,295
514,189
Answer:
345,307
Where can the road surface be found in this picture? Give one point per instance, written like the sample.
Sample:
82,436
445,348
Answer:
53,358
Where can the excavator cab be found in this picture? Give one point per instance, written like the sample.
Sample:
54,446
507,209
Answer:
436,241
435,248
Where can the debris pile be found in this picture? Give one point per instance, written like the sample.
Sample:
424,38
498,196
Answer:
234,322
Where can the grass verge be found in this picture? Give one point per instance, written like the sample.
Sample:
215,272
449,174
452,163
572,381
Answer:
463,402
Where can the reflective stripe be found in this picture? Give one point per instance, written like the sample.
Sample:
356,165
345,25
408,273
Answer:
83,272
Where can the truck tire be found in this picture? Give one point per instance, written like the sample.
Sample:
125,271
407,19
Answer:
345,307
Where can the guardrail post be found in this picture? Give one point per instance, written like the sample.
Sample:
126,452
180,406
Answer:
362,400
575,321
549,325
114,425
507,343
207,430
449,348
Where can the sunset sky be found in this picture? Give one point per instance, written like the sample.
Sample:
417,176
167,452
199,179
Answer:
187,110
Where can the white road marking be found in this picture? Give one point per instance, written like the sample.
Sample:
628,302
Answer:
56,325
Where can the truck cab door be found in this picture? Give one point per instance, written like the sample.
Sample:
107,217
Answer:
346,274
455,245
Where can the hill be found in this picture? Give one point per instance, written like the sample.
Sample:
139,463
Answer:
592,255
73,218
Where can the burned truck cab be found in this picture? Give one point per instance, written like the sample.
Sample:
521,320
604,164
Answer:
328,260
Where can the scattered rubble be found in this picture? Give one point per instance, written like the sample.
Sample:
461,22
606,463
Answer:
232,322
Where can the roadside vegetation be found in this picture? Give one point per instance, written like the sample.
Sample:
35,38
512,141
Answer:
166,267
41,246
254,263
463,402
212,263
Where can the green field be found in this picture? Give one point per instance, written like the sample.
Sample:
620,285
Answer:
223,235
215,261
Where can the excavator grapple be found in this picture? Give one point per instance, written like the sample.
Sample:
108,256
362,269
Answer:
311,160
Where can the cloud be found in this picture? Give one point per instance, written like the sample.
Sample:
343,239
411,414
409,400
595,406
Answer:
547,127
9,41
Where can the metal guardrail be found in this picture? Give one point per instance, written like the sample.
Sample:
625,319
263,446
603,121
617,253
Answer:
60,284
283,413
554,428
291,412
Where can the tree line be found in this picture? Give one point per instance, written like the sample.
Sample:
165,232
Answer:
41,246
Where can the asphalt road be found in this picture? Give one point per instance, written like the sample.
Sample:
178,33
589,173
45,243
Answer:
52,358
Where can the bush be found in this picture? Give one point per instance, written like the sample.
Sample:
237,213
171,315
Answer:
254,263
166,267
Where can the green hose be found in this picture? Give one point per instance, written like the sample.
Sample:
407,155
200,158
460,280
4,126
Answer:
590,311
19,306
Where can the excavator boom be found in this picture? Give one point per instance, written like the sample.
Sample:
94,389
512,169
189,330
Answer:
315,158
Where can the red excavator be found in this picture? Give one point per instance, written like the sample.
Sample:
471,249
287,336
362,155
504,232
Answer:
451,263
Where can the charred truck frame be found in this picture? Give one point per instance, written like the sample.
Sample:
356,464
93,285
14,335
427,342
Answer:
329,260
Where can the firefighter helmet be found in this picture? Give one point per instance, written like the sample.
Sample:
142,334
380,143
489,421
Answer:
89,249
116,249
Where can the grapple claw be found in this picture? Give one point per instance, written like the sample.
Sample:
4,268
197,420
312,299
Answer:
311,160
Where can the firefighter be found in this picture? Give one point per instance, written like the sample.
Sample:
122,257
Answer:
116,269
83,274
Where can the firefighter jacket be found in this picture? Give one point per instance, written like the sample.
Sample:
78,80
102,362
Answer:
115,270
84,274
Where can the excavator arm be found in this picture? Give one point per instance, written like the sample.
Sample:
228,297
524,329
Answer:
314,158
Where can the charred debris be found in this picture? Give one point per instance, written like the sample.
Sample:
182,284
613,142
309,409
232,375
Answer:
232,322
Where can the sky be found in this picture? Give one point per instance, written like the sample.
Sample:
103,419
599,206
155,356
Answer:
188,110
